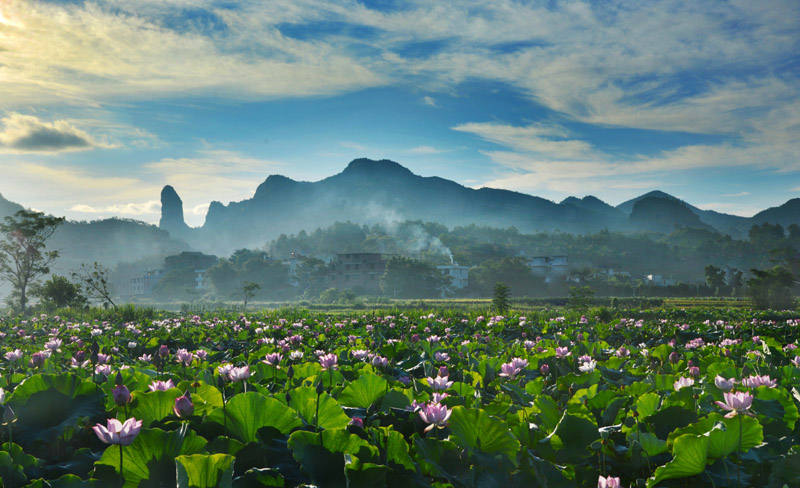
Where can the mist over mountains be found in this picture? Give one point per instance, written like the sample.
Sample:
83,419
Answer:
370,192
377,192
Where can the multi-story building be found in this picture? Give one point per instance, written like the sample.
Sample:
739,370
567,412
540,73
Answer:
360,271
459,275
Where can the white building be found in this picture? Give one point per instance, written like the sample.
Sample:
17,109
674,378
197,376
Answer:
459,275
549,266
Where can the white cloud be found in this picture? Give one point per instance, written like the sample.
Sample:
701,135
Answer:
149,208
28,134
353,145
429,101
734,195
427,150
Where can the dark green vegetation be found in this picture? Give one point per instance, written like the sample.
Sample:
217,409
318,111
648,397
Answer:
389,399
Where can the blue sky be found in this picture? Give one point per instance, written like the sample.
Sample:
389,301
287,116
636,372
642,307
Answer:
105,102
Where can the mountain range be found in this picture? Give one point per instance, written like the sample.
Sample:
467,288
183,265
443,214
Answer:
369,192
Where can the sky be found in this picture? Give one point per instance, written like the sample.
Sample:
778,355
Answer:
103,103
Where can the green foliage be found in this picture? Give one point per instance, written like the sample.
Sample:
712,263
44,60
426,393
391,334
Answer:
771,288
59,292
249,290
251,411
150,458
580,298
514,272
23,258
205,471
96,283
411,278
501,295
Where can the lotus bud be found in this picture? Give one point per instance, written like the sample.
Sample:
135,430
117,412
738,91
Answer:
545,369
121,394
183,405
674,357
118,378
320,388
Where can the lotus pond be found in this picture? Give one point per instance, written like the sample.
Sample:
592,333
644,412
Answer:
289,398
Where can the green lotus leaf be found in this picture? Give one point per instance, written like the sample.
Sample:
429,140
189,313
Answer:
572,437
331,415
690,454
364,392
479,433
205,471
724,437
249,412
48,405
150,459
152,406
322,454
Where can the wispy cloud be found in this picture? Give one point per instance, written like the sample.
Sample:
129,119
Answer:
429,101
734,195
427,150
28,134
149,208
353,145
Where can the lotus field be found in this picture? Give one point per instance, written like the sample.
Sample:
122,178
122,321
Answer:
653,398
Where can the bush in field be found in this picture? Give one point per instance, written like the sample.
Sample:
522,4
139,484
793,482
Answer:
59,292
771,288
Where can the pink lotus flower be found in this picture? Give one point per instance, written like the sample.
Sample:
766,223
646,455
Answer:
359,354
328,361
14,355
796,361
588,366
434,414
756,381
104,369
724,384
117,433
239,374
380,362
161,385
185,357
183,406
519,363
682,383
441,356
224,370
545,369
440,383
274,359
562,352
736,403
37,360
508,370
609,482
623,352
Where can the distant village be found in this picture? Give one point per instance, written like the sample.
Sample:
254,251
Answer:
362,272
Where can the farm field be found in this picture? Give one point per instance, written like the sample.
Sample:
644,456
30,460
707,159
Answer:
655,398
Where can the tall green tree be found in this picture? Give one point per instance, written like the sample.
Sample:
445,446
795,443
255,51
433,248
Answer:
58,292
715,278
249,290
23,254
771,288
411,278
501,295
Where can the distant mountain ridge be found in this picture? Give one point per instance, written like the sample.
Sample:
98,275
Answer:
370,191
